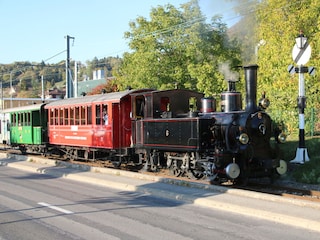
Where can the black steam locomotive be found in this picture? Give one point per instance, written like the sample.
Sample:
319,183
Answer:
233,144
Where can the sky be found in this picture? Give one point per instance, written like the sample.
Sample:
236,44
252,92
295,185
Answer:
35,30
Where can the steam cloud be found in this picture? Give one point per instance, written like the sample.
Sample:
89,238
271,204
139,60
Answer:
228,74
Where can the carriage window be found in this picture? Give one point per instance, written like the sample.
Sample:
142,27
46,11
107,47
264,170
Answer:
51,117
21,122
72,116
13,119
28,119
61,116
98,113
56,117
89,115
83,115
105,115
77,116
66,116
19,119
23,119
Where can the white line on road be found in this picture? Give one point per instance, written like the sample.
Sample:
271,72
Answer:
55,208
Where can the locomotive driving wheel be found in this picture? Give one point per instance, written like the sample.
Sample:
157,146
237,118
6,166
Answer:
175,171
195,174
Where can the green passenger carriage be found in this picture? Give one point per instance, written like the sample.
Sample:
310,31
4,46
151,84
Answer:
28,127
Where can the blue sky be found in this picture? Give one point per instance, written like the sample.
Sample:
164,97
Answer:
35,30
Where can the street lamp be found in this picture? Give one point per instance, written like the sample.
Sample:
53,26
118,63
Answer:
301,41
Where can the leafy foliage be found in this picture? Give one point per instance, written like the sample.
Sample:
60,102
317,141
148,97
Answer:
110,86
279,24
177,49
26,76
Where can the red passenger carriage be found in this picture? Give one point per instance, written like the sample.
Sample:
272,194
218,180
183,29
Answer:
92,126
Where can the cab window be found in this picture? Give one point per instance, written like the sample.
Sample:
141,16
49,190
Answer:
139,107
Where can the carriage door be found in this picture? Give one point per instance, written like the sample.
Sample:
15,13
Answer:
138,114
116,130
125,128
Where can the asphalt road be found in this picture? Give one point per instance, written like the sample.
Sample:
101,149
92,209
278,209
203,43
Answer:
39,206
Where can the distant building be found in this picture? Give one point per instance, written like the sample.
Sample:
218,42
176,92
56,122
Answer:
56,93
98,74
87,85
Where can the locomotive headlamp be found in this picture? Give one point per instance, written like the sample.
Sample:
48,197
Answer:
265,103
282,137
244,138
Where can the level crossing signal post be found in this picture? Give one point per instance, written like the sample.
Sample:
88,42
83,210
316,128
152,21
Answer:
301,54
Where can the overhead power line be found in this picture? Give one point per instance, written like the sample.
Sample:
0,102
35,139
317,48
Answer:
55,55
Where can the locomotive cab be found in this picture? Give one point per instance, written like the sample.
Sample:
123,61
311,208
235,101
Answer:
169,126
164,104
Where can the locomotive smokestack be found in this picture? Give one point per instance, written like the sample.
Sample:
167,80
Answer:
231,86
251,87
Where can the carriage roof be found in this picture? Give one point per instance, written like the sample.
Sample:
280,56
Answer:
114,96
24,108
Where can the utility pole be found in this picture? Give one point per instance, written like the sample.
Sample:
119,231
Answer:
68,72
75,79
2,95
11,92
42,88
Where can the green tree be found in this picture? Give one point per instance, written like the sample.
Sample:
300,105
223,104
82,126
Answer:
109,86
23,84
176,48
279,24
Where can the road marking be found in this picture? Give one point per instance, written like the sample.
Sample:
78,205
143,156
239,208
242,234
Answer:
55,208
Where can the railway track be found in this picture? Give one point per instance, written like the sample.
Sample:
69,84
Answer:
302,191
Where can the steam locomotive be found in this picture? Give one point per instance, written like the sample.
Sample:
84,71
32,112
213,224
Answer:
233,144
156,129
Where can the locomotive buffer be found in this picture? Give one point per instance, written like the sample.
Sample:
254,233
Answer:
301,53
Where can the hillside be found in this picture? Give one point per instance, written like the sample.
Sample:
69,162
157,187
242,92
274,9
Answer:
25,77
